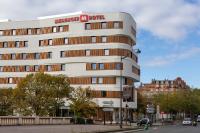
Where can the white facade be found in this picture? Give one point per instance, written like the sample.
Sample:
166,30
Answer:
74,66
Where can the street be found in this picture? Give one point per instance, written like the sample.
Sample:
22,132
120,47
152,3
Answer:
173,129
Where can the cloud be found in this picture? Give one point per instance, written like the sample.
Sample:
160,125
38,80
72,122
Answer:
168,19
173,57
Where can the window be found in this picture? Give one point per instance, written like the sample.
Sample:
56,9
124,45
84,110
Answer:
37,55
87,52
118,66
25,43
24,55
101,66
116,25
103,25
14,32
27,68
94,80
17,68
37,31
10,80
100,80
29,31
17,44
62,54
66,41
62,67
13,56
94,66
1,69
1,33
48,68
54,29
41,43
103,39
50,42
125,81
103,94
87,26
94,39
106,51
36,68
5,44
61,28
49,55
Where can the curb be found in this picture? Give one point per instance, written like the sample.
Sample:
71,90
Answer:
118,130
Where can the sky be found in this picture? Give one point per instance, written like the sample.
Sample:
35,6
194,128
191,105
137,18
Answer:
168,31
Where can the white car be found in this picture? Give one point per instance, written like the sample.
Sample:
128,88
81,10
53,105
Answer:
187,121
198,118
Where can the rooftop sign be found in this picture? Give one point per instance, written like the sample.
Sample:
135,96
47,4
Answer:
81,18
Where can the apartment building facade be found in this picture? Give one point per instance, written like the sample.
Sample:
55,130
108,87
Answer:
162,87
86,47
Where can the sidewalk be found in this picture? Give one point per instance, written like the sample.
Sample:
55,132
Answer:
63,129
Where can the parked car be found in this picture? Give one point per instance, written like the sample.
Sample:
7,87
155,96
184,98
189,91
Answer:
144,121
187,121
198,118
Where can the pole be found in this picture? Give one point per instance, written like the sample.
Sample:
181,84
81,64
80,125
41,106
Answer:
120,110
104,118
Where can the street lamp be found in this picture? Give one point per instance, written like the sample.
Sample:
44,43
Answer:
138,51
121,92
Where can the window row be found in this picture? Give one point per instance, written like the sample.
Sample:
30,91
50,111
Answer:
26,56
104,25
34,68
87,40
104,66
14,44
34,31
135,70
74,80
99,52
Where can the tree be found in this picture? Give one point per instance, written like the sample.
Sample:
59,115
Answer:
81,102
141,103
41,94
6,101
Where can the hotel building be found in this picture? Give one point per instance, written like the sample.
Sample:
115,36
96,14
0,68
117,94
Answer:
91,49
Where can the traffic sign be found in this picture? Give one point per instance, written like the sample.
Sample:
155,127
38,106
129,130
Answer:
108,109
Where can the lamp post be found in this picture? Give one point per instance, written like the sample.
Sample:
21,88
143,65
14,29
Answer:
121,84
121,92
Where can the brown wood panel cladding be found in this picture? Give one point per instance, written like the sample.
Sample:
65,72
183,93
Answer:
46,30
109,94
107,66
42,68
80,80
11,44
110,25
100,52
24,31
72,80
7,32
135,70
87,80
88,39
109,80
65,28
21,31
30,56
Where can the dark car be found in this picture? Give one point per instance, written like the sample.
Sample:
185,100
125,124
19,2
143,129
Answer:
144,121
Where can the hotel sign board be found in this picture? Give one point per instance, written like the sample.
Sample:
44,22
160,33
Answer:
81,18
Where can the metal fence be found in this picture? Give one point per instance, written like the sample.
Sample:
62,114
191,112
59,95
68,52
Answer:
13,121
